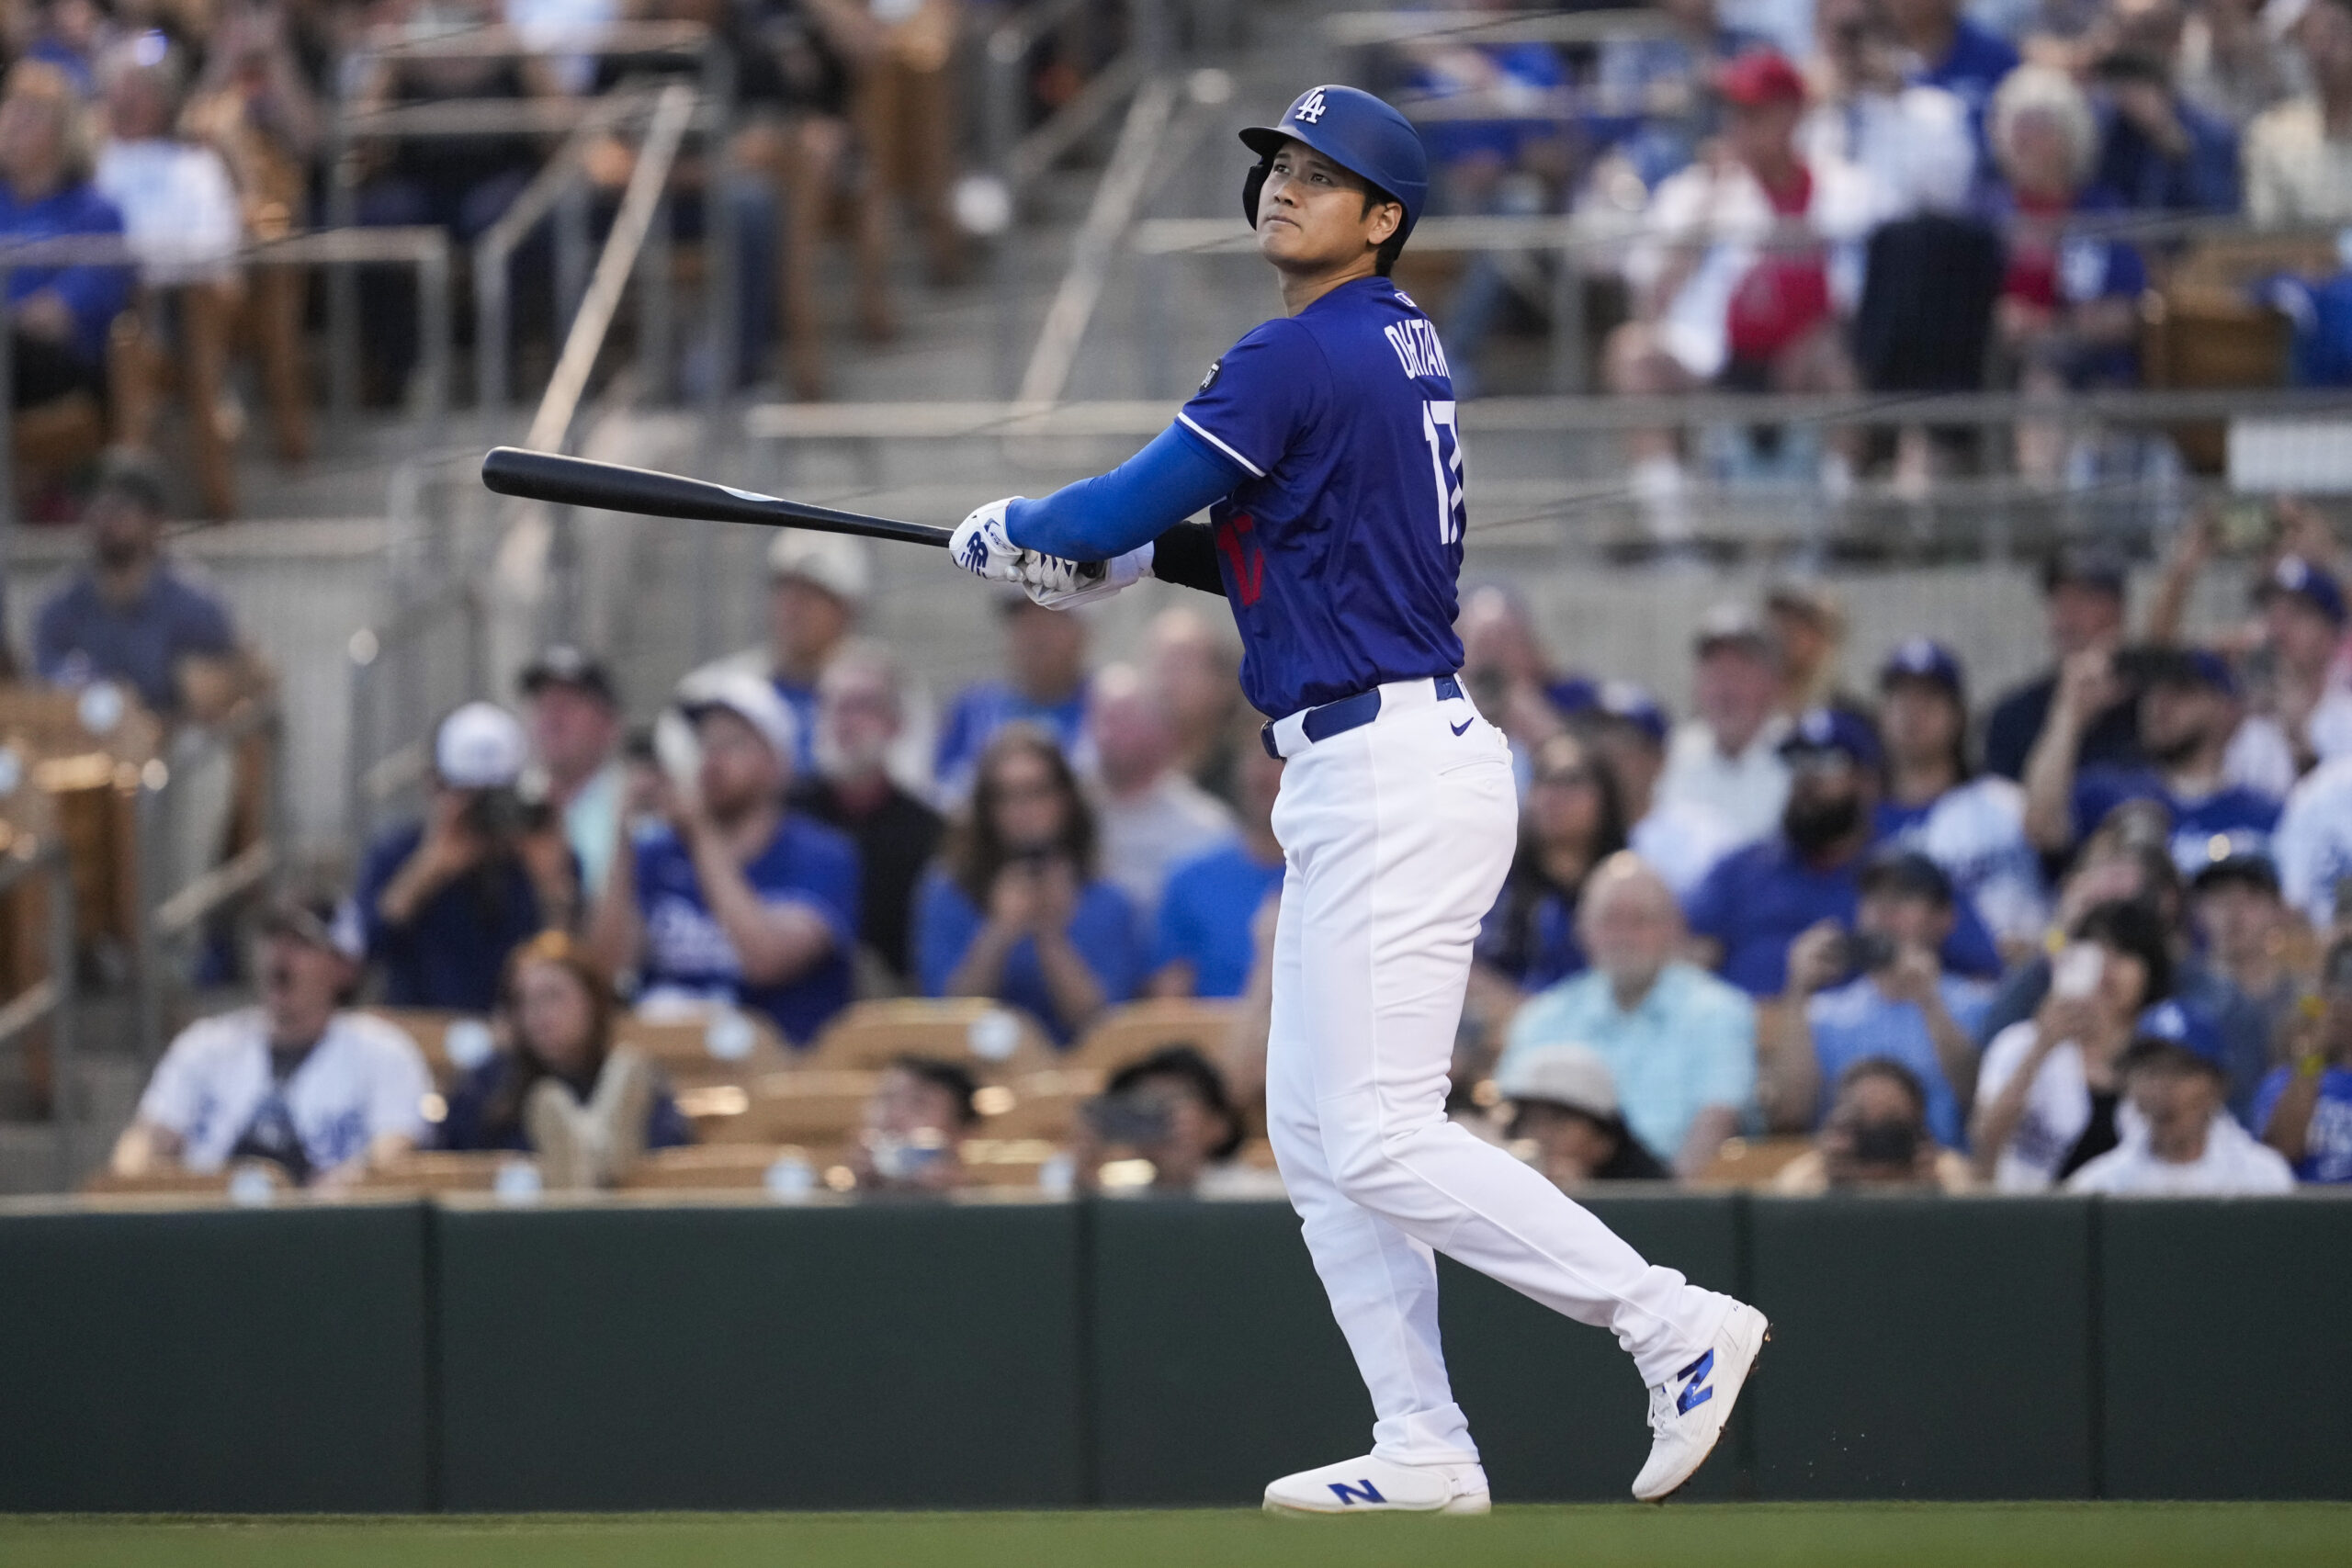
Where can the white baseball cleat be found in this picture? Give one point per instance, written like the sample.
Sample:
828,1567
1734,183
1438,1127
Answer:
1374,1485
1689,1411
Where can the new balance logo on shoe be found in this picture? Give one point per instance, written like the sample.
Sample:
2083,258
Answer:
1693,1379
1361,1492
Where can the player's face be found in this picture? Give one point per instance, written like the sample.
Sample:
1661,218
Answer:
1311,214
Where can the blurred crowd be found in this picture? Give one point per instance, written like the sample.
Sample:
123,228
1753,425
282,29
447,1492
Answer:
2091,933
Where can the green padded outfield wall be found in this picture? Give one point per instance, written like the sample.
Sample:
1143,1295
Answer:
221,1361
2222,1326
896,1355
1933,1348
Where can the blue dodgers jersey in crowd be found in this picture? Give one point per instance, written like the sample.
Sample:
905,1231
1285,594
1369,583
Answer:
1205,917
686,950
1102,929
1340,549
2232,810
2327,1142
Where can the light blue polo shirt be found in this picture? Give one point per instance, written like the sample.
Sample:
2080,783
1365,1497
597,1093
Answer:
1689,1043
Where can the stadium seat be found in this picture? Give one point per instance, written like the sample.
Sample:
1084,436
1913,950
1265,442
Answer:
994,1041
441,1170
1006,1162
1750,1162
720,1045
178,1183
814,1105
1127,1034
432,1028
722,1167
1042,1104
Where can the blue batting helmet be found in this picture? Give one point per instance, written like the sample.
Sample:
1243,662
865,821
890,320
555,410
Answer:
1354,129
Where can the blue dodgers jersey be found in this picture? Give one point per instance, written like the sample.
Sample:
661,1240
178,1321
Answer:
1341,552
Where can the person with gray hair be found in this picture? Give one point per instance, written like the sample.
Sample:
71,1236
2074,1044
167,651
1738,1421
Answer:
2068,315
1153,817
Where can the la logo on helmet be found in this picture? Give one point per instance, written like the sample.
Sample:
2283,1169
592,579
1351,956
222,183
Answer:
1312,110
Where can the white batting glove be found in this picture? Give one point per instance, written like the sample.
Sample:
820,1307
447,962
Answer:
1060,584
981,546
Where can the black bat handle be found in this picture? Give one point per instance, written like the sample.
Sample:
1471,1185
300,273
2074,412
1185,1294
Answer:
614,487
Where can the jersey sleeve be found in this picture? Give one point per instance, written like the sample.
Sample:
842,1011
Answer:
396,1089
169,1100
1261,398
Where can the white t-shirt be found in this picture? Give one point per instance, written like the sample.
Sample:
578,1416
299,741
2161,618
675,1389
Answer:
1682,840
179,208
1146,836
2313,843
363,1079
2232,1166
2057,1108
1915,143
1744,792
1976,833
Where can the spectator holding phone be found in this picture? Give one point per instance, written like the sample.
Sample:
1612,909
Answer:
2048,1091
448,899
2304,1109
914,1128
1565,1120
2182,1142
1014,909
1879,991
1874,1138
1170,1109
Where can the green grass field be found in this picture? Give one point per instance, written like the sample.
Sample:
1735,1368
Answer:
2056,1535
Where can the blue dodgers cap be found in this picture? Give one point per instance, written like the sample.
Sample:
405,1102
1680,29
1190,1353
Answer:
1835,729
1356,131
2170,1031
2312,584
1923,659
2192,667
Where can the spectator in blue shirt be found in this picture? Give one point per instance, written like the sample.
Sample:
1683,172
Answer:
2162,153
1569,822
57,316
2083,603
562,1089
2188,712
1680,1043
2305,1108
446,898
133,616
1204,947
1760,899
1879,991
1952,52
734,899
1045,656
1015,909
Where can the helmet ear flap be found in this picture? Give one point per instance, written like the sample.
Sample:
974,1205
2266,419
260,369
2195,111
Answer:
1252,183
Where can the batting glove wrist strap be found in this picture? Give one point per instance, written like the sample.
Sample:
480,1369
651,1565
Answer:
1060,584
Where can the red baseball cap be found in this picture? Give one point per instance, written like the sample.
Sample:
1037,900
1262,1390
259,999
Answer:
1758,77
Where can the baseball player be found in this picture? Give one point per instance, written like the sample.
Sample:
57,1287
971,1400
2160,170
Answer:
1326,446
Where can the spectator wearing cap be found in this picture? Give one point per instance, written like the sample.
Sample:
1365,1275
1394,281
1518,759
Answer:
2243,929
1731,285
2304,1109
446,900
1204,946
1045,687
135,616
1015,908
2182,1142
818,587
2083,603
1874,1138
2048,1089
1809,629
1879,990
732,898
2189,714
1170,1109
1564,1122
571,712
2302,621
322,1093
861,713
1679,1044
1726,760
1152,815
1758,899
1679,840
2298,154
1971,824
1569,822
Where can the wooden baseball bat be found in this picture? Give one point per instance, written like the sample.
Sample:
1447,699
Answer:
613,487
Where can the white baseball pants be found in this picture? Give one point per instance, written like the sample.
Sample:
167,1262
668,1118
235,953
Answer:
1396,836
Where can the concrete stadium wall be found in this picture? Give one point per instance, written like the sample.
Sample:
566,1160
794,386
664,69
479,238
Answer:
413,1358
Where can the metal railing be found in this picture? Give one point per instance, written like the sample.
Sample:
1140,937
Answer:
52,1000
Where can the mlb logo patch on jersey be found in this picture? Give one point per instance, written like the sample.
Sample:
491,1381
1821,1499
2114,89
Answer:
1217,369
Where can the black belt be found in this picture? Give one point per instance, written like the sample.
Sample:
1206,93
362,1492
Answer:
1348,713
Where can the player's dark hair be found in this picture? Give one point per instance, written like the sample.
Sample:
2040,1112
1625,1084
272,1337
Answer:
977,851
1394,246
948,1077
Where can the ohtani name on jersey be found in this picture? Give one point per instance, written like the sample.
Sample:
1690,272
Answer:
1416,344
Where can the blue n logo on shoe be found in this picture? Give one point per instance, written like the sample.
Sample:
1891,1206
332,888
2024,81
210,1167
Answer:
1693,1379
1361,1492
